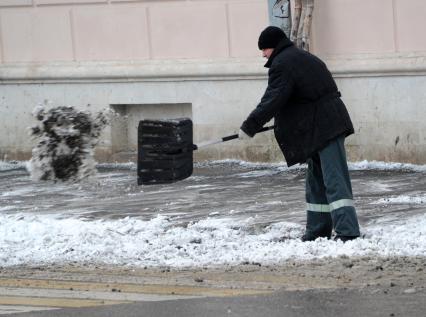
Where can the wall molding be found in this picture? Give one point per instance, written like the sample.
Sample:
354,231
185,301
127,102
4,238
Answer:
183,70
130,71
375,65
16,3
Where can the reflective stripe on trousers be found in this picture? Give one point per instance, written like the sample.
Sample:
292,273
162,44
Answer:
330,207
329,193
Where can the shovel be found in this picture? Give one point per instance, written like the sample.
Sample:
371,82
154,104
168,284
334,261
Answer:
165,150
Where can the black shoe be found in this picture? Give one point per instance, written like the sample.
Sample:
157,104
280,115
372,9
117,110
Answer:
345,238
307,237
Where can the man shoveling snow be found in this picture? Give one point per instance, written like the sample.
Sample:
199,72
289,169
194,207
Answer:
311,123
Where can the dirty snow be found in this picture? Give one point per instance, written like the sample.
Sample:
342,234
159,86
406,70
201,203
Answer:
11,166
403,199
215,238
354,166
26,238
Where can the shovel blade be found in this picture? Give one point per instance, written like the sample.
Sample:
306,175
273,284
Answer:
165,151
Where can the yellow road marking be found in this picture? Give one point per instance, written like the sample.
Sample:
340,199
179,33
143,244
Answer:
55,302
127,287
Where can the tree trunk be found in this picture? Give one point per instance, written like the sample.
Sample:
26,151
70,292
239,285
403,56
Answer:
301,24
296,19
307,23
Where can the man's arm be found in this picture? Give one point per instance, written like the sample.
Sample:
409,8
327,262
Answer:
280,86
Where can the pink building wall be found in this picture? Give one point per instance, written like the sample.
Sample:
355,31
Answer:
133,54
86,30
77,30
374,26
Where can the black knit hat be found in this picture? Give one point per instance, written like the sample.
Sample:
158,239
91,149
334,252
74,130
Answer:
270,37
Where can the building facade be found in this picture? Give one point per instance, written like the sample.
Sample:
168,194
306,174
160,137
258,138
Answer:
199,59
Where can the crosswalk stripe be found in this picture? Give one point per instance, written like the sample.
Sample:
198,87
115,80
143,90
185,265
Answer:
55,302
93,295
127,287
13,309
25,294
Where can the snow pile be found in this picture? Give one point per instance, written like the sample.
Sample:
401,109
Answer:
385,166
43,239
66,139
279,166
355,166
276,167
118,166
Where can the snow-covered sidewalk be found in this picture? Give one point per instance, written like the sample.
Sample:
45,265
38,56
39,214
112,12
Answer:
229,212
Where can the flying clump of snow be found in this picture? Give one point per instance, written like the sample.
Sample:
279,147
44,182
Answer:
66,139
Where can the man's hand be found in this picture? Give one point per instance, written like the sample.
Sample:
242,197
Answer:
243,136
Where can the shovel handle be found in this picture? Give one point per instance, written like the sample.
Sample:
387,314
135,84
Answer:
227,138
235,136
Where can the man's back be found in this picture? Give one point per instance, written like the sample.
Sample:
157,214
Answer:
310,76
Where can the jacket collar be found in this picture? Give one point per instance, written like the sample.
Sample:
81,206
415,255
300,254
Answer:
280,47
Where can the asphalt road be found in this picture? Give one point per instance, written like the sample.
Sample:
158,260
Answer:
338,302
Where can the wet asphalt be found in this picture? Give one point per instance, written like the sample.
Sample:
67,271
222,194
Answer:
271,193
342,302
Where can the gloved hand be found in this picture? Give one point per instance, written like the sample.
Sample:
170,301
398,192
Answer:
243,136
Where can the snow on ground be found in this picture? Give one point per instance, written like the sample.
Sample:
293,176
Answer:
403,199
46,239
386,166
11,166
363,165
216,239
354,166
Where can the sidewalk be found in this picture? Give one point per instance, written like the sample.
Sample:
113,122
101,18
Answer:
378,286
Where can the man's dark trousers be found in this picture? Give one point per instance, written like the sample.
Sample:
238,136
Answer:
329,194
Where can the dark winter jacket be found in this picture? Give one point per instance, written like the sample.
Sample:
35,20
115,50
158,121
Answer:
303,98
